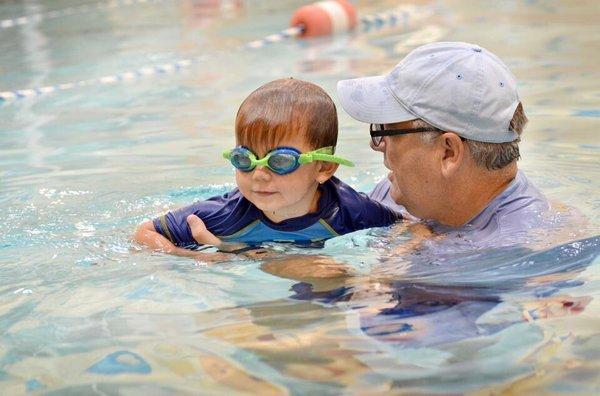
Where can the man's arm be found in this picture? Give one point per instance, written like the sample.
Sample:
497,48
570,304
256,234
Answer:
306,267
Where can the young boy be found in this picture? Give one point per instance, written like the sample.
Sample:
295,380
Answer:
286,132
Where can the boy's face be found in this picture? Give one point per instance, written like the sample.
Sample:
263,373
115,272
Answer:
282,197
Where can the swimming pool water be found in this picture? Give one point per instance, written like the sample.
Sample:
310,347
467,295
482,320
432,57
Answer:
83,310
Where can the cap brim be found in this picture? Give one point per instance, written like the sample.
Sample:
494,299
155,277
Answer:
369,100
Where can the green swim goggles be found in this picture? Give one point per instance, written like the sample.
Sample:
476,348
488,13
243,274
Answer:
282,160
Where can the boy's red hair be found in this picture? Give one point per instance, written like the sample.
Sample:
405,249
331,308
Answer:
282,108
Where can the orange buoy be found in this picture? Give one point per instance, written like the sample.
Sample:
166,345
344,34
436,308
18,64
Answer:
324,18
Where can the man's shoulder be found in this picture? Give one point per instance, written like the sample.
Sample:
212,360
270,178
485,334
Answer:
522,201
520,208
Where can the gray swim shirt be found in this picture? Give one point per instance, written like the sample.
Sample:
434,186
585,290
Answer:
511,215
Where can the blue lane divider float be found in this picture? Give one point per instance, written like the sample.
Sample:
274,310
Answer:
402,16
84,8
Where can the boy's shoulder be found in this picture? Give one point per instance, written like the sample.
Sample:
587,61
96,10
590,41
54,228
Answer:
351,210
347,196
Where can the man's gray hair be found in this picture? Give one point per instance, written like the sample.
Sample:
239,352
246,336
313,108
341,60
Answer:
492,156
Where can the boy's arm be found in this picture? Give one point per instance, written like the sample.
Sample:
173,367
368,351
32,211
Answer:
203,236
146,235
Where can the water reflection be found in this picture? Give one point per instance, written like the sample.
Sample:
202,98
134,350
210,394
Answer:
485,277
335,330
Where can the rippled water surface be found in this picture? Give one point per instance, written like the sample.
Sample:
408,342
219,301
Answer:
83,310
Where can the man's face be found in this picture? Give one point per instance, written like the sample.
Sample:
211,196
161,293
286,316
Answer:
414,176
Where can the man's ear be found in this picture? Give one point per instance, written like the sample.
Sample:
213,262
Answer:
453,153
325,170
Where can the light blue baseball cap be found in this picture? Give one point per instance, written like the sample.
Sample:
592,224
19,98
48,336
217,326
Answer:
454,86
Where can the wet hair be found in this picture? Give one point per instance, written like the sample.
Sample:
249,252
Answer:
492,156
284,108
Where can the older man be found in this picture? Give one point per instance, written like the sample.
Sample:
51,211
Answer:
448,121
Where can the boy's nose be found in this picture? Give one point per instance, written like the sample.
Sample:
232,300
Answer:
261,173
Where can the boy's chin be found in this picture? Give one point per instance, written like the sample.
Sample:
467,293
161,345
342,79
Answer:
266,206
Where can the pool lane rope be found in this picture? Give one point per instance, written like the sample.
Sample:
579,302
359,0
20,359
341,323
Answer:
81,9
317,19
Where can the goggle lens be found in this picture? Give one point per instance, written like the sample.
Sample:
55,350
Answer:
282,162
241,161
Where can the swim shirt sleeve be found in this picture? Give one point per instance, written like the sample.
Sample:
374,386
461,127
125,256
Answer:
370,213
356,211
215,212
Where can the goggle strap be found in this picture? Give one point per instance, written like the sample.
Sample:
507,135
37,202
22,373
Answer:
310,157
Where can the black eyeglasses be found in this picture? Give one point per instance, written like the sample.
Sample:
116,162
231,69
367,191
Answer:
377,132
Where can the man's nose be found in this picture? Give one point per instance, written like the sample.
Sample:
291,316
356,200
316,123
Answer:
381,146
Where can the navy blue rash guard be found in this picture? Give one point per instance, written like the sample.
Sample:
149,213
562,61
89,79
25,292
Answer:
233,218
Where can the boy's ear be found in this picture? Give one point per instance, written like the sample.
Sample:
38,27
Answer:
325,171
